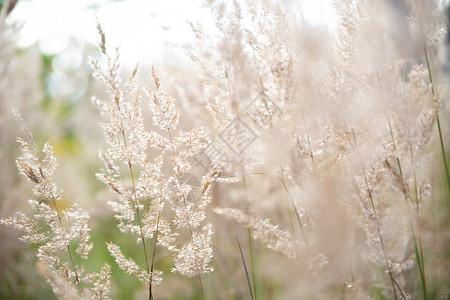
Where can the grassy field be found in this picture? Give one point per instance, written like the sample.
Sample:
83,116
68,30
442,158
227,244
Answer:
284,162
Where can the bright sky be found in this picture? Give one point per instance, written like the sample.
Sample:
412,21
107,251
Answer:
141,27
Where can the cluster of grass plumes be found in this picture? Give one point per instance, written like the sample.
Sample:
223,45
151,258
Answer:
326,147
55,230
352,119
140,209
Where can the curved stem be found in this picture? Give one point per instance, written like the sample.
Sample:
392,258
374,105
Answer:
153,255
297,214
378,226
136,205
68,247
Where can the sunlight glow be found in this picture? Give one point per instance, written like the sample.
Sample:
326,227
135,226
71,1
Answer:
145,30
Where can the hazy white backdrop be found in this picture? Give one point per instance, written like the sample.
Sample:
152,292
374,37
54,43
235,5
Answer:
148,31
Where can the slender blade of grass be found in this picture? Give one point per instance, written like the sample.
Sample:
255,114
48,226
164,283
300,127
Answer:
250,241
441,140
419,259
245,268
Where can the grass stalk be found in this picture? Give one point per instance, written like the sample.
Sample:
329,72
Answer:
310,148
190,229
377,222
245,268
226,269
192,238
418,246
250,241
399,165
300,224
153,255
252,263
136,205
441,140
297,214
419,252
140,229
419,259
68,249
33,144
418,249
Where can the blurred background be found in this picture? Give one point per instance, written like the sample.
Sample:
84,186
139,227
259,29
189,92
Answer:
45,47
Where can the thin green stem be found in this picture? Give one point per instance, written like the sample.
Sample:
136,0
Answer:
190,229
377,222
300,224
192,238
444,157
310,148
294,233
33,144
395,148
447,173
418,249
228,273
419,259
153,255
250,242
441,140
201,286
68,248
297,214
245,268
136,204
